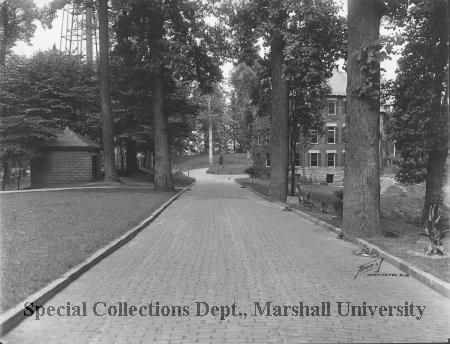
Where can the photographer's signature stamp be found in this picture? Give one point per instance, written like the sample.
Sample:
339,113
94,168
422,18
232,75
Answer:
373,266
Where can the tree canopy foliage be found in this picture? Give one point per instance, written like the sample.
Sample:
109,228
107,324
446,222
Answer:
165,62
305,39
419,90
39,95
22,131
188,48
243,108
17,23
170,43
419,123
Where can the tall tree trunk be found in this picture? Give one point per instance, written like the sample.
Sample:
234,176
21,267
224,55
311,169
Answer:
107,125
210,134
303,166
89,51
19,159
2,52
163,166
437,156
4,28
122,162
132,164
279,152
205,139
292,158
6,172
362,173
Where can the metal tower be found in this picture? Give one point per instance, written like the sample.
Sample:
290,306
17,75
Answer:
79,32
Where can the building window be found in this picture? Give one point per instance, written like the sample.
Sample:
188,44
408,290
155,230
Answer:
314,136
314,159
266,138
331,159
330,178
344,107
343,134
331,135
297,159
331,107
267,160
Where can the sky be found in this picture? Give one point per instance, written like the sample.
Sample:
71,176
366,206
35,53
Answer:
44,39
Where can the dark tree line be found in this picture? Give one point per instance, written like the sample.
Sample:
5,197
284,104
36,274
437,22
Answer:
167,44
304,39
159,61
419,123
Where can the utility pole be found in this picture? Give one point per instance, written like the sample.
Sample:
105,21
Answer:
211,157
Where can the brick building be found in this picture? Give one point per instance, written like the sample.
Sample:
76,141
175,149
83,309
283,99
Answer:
324,159
69,159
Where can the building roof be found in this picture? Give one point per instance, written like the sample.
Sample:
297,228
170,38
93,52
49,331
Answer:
338,83
69,139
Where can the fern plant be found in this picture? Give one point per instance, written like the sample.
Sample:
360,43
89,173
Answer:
433,233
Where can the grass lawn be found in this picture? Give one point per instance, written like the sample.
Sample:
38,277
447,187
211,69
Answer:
147,177
228,168
44,234
399,213
190,162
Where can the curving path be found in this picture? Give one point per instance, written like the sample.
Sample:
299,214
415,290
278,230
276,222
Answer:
222,245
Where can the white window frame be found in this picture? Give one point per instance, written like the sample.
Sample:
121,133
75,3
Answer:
343,133
328,107
334,158
310,152
316,135
334,134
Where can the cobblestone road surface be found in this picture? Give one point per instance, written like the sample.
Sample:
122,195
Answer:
220,244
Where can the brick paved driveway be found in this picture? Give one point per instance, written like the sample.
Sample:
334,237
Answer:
220,244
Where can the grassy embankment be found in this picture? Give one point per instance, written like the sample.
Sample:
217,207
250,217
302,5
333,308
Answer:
400,213
232,163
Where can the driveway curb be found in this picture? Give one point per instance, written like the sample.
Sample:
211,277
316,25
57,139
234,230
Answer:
77,188
430,281
14,316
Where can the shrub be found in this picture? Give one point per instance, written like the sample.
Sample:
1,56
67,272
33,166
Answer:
251,171
259,162
338,201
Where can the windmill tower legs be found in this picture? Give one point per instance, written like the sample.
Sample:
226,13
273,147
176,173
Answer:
79,32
